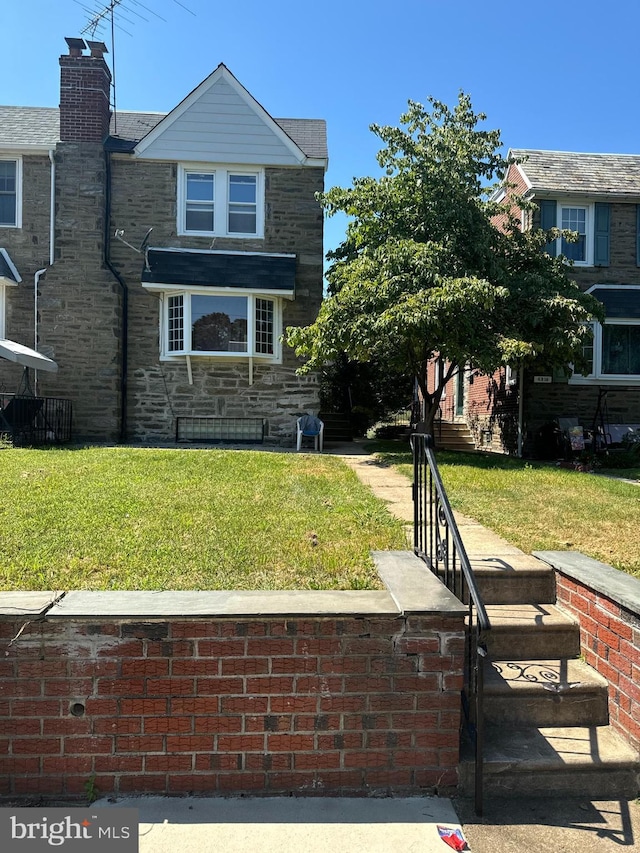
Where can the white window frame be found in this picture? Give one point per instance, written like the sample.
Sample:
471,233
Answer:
18,161
3,310
597,377
250,295
221,175
589,226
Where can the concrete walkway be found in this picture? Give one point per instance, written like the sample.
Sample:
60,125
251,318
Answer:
509,826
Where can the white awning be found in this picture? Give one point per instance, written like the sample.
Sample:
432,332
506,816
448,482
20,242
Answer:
25,356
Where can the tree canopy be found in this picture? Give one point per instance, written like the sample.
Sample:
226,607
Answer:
425,273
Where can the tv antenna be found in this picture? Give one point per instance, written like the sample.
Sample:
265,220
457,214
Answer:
102,18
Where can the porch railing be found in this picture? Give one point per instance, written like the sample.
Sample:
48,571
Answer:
437,541
34,421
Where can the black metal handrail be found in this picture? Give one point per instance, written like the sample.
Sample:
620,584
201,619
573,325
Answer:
437,541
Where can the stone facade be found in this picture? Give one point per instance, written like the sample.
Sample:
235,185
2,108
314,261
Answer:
144,196
93,315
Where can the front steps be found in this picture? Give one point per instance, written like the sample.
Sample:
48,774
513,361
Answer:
546,711
450,435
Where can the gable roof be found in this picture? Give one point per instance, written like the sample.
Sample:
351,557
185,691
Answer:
220,121
38,128
573,173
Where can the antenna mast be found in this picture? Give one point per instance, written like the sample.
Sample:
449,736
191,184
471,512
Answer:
103,15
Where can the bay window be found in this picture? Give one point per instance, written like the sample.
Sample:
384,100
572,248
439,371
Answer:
220,324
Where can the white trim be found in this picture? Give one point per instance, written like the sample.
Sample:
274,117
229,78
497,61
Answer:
12,267
250,295
589,226
597,377
227,291
17,159
221,72
221,202
3,305
220,252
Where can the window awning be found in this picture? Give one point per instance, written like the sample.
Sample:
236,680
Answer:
8,272
619,300
20,354
272,273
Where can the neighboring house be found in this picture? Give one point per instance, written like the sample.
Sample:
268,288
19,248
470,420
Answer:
155,334
597,195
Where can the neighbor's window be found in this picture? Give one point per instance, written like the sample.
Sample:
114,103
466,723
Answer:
574,219
220,324
10,193
620,350
220,202
614,353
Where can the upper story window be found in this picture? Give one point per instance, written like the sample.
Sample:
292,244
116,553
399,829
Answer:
10,193
220,202
574,219
590,222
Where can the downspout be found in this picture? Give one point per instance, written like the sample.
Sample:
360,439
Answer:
125,302
520,409
40,273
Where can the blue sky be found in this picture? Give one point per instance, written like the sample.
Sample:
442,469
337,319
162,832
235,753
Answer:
550,75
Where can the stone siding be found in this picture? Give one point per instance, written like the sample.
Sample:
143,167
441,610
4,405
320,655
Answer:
144,196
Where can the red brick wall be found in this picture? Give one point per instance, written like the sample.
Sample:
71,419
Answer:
85,88
610,643
306,705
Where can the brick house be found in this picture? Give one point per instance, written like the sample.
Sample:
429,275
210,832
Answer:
151,334
597,195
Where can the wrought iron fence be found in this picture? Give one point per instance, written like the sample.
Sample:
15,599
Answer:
437,541
34,421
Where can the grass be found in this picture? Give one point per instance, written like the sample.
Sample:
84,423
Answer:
131,518
538,507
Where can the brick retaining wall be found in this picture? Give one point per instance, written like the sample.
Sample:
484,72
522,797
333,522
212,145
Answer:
606,602
299,703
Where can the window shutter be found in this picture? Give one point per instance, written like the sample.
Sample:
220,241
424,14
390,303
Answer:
638,235
601,235
549,219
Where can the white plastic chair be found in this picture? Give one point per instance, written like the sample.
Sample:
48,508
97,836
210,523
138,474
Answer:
310,426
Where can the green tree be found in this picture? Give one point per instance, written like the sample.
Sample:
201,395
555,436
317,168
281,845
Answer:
424,273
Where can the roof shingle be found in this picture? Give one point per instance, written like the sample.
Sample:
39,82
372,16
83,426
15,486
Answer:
570,172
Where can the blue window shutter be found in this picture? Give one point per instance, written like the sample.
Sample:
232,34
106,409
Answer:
549,219
601,235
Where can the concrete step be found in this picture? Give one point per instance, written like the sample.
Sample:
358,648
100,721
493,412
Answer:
582,761
512,579
453,436
531,631
555,692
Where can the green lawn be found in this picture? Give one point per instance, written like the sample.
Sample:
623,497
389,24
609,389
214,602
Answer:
131,518
539,507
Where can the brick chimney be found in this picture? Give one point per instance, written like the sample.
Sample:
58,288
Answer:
85,83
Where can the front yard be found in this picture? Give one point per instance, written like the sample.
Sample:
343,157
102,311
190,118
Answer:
539,507
132,518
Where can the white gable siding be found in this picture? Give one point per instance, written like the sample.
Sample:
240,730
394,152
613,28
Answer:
220,127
